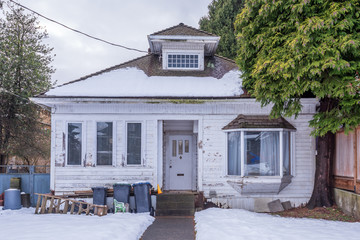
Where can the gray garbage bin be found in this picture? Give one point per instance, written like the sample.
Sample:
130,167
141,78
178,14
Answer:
99,195
122,192
142,197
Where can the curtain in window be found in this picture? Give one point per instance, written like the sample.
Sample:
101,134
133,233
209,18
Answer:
234,153
74,143
104,143
262,154
286,153
134,143
269,154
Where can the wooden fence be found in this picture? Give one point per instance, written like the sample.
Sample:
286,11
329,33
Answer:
347,161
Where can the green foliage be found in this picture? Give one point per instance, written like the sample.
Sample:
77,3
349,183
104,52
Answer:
220,21
24,72
289,48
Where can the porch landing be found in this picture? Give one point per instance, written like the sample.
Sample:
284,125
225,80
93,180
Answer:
176,203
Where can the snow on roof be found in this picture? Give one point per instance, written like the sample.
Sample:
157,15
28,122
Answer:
132,82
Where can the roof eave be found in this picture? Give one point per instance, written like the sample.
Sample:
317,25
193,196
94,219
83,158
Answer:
207,40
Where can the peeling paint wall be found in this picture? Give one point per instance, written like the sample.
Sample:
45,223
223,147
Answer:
211,148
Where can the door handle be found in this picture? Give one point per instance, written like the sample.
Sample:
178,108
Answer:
170,166
180,157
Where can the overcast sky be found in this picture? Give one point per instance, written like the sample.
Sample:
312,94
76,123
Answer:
123,22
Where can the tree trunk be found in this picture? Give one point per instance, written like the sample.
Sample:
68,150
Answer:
322,194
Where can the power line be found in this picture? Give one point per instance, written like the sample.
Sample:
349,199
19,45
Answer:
77,31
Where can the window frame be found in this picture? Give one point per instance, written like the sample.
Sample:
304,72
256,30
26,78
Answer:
113,144
242,149
142,143
83,143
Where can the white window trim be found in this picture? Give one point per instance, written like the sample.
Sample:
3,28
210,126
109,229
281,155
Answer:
242,146
113,164
200,54
142,143
83,142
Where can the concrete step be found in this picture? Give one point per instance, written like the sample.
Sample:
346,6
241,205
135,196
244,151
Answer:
175,204
175,212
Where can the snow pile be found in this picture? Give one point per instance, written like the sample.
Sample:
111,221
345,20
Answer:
132,82
237,224
25,225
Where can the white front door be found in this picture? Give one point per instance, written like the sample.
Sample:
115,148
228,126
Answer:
179,162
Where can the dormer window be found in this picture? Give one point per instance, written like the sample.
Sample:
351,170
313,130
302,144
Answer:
183,56
183,48
183,61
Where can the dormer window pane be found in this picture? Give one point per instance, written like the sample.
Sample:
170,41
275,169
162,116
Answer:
183,61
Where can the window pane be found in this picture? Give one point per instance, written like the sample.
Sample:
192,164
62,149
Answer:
180,147
74,143
174,148
104,143
234,153
183,61
186,146
262,154
134,143
286,153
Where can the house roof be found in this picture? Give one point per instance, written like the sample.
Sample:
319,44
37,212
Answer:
220,79
183,30
258,121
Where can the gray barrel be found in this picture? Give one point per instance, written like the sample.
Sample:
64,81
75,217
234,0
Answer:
99,195
122,192
12,199
142,197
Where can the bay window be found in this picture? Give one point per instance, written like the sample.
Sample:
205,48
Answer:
253,152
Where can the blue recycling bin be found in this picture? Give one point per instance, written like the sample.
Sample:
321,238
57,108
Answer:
12,199
142,197
122,192
99,195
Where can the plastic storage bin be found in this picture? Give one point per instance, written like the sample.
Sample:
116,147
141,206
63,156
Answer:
15,182
122,192
99,195
142,197
12,199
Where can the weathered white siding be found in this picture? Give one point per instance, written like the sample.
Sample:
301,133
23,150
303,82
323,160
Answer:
211,117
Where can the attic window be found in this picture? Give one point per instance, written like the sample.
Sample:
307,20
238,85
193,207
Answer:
183,57
183,61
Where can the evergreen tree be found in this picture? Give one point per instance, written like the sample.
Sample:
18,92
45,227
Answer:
289,48
24,72
220,21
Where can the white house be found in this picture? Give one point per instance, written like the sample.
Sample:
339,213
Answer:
179,117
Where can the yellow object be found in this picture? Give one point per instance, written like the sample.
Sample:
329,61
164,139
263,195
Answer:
159,189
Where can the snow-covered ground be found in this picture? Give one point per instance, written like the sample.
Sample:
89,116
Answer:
239,224
25,225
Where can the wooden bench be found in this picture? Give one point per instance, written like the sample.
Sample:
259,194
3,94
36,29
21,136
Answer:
48,203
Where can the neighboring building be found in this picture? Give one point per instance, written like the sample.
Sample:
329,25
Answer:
179,117
346,171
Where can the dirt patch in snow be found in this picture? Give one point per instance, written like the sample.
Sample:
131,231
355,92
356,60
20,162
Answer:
331,213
